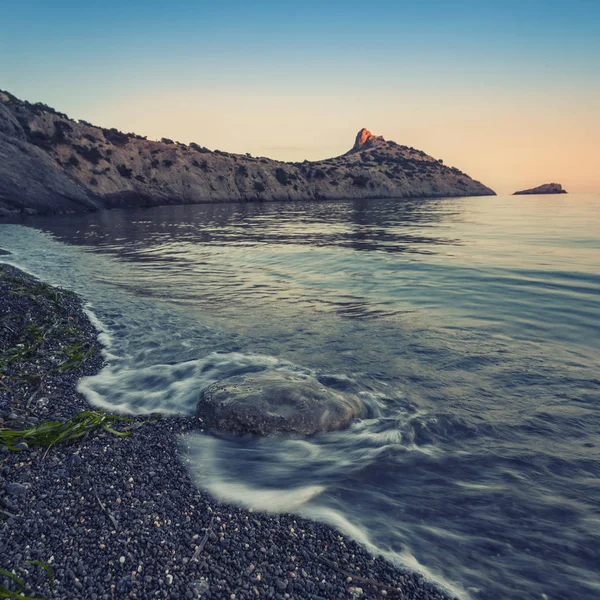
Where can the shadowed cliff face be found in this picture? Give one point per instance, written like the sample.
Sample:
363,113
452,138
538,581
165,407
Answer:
52,164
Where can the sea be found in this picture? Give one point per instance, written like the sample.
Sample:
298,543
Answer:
470,327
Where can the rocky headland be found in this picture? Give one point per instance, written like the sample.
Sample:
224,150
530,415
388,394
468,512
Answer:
50,163
546,188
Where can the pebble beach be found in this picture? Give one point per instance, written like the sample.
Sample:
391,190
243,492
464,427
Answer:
118,516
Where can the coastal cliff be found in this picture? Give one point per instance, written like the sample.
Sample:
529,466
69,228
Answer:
52,164
547,188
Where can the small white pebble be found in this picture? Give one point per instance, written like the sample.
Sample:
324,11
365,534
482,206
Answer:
169,579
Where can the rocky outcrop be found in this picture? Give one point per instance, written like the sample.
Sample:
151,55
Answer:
271,403
52,164
547,188
364,140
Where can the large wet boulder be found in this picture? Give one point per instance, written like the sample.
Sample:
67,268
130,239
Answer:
273,402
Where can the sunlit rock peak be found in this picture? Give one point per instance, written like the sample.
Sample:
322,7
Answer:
363,137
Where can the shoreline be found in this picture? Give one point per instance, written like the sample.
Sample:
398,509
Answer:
119,517
22,216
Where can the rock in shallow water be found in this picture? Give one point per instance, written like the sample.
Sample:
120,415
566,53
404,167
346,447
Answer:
269,403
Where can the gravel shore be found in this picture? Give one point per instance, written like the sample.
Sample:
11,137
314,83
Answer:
118,517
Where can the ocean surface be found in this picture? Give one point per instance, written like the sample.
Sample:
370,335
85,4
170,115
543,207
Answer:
470,327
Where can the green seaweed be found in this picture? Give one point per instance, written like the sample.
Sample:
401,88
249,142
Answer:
31,345
50,433
75,357
20,584
46,568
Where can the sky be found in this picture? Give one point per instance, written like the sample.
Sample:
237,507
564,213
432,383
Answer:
508,92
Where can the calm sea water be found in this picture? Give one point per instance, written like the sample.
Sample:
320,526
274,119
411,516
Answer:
471,327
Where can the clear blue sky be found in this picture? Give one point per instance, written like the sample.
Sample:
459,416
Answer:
415,72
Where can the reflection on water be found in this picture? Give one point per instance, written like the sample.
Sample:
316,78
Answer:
473,324
360,225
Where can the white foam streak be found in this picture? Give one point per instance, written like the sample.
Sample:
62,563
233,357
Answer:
268,500
167,388
104,336
208,459
208,475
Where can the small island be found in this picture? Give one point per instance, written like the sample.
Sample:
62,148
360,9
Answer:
547,188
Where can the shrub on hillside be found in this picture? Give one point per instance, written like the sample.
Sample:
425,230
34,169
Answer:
40,139
283,176
60,131
116,137
124,171
198,148
360,181
92,154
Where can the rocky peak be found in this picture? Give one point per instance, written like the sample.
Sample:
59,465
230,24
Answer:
364,137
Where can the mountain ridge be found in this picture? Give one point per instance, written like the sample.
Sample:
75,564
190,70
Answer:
50,163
